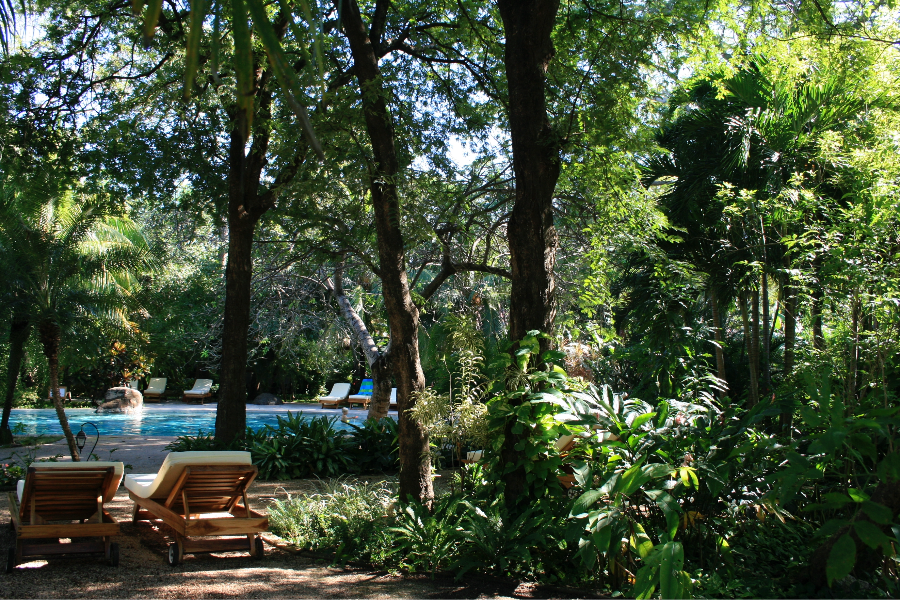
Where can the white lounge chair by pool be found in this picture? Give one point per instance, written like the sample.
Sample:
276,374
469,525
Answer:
337,397
199,392
155,390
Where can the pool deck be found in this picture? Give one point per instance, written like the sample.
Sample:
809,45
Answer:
145,454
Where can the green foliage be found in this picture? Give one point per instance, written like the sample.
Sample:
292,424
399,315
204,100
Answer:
455,420
427,540
348,518
375,446
299,447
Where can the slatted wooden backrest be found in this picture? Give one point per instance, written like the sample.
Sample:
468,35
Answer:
207,489
64,494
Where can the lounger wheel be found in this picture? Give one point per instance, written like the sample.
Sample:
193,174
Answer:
10,560
113,554
175,555
259,551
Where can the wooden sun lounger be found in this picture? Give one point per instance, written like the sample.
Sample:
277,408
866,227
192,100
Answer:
155,390
337,397
200,391
198,491
64,492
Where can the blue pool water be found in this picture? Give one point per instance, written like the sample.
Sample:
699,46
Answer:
151,421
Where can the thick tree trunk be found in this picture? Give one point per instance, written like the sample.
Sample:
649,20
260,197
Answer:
720,339
528,25
19,330
403,316
231,413
50,337
753,397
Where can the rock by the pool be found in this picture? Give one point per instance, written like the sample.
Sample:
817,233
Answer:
267,399
122,399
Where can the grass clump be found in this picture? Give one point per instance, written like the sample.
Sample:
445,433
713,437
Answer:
348,517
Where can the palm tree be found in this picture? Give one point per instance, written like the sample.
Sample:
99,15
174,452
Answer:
69,259
759,139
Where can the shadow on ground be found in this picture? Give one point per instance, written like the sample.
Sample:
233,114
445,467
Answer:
144,573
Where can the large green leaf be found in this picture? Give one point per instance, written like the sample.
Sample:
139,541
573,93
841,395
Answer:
871,535
841,559
671,563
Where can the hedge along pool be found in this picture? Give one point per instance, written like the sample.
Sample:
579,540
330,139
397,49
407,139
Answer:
160,420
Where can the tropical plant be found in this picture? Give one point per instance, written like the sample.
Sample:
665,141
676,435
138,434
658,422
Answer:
375,446
71,259
349,518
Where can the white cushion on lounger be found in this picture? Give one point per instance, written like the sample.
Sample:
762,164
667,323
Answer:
201,386
158,485
118,470
157,385
339,391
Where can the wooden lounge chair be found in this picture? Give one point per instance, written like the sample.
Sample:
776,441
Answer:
64,491
190,486
155,390
199,392
364,395
64,394
337,397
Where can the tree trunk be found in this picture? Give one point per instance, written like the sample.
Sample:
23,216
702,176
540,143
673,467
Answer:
720,339
764,283
853,367
378,364
816,314
231,412
50,336
790,337
753,397
790,326
528,25
19,330
403,316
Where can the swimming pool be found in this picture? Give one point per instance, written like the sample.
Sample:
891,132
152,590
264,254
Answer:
156,420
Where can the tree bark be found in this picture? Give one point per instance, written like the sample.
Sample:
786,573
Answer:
376,359
816,311
231,412
528,25
247,203
50,336
764,284
720,339
19,330
753,397
853,367
790,326
403,316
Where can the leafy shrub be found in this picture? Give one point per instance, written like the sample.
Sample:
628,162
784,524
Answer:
298,447
426,540
348,518
375,446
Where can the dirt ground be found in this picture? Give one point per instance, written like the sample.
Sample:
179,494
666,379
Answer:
144,573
